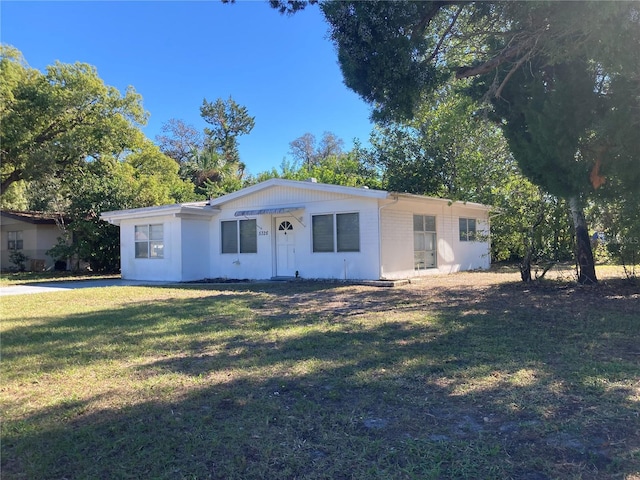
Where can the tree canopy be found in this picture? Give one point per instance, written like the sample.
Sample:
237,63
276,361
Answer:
555,74
56,120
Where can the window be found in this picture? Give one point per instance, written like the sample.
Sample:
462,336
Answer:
149,241
241,233
467,229
346,226
15,240
424,242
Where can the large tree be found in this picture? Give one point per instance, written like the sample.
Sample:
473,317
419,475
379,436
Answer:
524,58
54,121
228,120
179,140
309,154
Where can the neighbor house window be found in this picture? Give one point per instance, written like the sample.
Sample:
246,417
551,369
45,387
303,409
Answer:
15,240
239,233
467,229
347,232
424,242
149,241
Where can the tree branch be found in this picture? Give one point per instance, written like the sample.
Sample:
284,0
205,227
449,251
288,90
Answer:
444,35
13,177
486,67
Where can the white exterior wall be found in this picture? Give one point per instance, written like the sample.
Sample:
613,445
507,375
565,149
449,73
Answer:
195,247
168,268
192,235
263,265
452,254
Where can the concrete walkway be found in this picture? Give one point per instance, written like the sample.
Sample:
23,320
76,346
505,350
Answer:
45,287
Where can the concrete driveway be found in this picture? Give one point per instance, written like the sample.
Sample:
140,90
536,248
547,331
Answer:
45,287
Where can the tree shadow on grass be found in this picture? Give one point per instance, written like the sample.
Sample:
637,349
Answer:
507,381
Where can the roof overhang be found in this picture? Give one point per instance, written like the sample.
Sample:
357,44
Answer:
185,210
266,211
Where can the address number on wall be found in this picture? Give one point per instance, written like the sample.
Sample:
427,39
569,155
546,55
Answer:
263,232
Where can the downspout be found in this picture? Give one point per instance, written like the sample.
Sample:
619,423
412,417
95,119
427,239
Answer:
380,233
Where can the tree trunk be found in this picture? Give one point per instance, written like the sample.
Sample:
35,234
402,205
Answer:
584,254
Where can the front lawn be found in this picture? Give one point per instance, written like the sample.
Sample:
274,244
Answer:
472,375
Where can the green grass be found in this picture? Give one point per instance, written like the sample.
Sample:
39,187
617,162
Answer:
319,381
21,278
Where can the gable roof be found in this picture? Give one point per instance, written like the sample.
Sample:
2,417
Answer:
213,206
35,218
306,185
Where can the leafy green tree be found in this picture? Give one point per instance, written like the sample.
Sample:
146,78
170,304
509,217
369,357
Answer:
157,181
228,121
451,150
351,169
145,178
524,57
55,121
212,174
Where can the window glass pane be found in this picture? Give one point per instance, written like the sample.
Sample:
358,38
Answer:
429,241
155,232
419,259
142,232
248,236
418,241
229,237
418,223
471,226
429,224
156,249
142,250
463,229
322,233
348,230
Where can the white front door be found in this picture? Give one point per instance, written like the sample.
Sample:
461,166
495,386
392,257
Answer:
285,248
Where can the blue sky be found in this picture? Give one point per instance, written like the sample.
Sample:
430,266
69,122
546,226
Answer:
175,54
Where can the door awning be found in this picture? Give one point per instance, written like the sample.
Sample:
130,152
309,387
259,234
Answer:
266,211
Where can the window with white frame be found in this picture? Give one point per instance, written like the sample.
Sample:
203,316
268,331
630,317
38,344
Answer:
467,229
424,242
149,240
347,232
239,236
15,241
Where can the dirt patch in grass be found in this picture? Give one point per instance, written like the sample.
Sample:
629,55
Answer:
472,375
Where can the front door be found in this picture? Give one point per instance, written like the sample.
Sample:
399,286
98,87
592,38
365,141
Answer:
285,248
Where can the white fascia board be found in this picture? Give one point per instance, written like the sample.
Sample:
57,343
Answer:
194,208
281,182
412,196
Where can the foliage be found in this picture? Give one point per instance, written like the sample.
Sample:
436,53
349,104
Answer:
72,145
555,72
19,259
178,140
228,120
619,222
349,169
212,174
145,178
305,151
55,121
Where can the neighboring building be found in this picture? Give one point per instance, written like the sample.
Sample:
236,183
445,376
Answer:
32,233
286,228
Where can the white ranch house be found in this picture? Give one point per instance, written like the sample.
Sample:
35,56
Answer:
284,228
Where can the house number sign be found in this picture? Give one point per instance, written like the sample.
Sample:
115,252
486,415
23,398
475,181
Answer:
263,232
